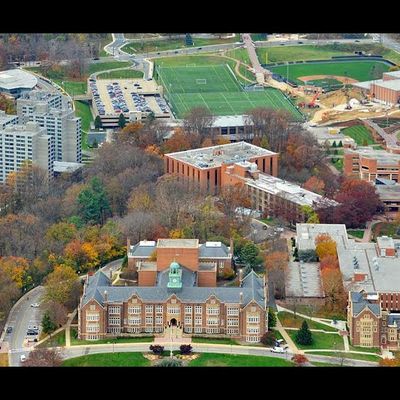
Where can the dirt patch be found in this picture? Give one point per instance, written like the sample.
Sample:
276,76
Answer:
343,79
332,99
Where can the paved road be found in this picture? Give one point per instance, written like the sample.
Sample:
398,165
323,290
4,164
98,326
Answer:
76,351
388,42
23,315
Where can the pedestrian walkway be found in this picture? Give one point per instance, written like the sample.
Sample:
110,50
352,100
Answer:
172,334
68,329
292,346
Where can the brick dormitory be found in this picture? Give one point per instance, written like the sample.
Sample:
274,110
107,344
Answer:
177,289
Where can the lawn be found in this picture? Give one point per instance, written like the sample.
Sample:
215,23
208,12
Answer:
150,46
323,364
55,341
72,87
108,360
366,349
386,229
239,54
103,66
82,109
288,321
121,74
337,163
358,70
142,339
321,341
358,233
214,340
319,312
233,360
360,134
365,357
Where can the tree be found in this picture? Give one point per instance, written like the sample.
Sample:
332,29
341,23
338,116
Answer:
57,313
178,142
198,121
314,184
310,215
121,121
82,255
97,122
304,336
9,292
389,362
329,261
250,254
325,245
185,349
61,284
268,339
59,234
157,349
42,357
308,255
16,268
94,206
47,324
299,359
271,318
335,295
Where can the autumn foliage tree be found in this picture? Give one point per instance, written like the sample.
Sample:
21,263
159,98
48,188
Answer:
16,268
332,283
82,255
325,246
178,142
43,357
314,184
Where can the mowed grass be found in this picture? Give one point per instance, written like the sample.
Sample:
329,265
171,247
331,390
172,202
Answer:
143,339
73,88
214,340
321,341
358,233
82,110
121,74
233,360
358,70
354,356
150,46
104,66
108,360
289,321
360,134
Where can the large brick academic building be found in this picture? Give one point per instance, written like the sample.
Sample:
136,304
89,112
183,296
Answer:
176,288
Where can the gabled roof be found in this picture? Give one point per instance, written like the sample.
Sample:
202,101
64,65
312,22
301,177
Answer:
214,251
360,303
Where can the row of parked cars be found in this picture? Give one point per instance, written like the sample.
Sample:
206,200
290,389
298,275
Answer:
140,102
162,104
96,96
117,98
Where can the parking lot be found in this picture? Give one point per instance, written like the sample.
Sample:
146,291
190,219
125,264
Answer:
116,96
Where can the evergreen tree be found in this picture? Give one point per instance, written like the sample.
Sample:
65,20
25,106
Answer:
47,324
97,122
304,336
271,319
188,40
334,144
340,144
264,142
249,254
94,204
121,121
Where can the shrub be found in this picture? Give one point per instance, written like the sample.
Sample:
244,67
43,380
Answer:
299,359
185,349
169,362
229,274
157,349
271,318
268,339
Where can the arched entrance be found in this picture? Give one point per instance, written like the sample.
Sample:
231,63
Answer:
173,322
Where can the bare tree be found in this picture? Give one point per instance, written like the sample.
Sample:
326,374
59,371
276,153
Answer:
199,121
138,225
42,357
57,312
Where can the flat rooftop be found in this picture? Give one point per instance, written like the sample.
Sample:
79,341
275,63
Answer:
29,128
65,166
382,156
306,234
17,79
231,121
388,192
303,280
40,95
285,189
5,118
215,156
178,243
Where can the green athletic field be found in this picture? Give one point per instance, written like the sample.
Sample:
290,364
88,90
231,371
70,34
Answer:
359,70
216,88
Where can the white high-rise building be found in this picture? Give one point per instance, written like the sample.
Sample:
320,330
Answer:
54,112
7,119
20,144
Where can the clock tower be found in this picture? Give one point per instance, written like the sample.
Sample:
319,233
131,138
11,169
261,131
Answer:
175,276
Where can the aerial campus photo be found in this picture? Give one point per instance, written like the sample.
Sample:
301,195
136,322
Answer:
199,200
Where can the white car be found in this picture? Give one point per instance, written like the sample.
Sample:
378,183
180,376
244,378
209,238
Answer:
23,358
277,349
35,305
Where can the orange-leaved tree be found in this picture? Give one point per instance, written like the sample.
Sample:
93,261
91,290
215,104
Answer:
325,245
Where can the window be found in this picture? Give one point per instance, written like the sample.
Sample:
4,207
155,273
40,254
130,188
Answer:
212,330
198,330
159,309
173,310
232,322
92,307
134,330
188,309
231,331
114,310
198,309
114,330
188,320
149,309
93,328
92,337
114,321
212,321
253,319
92,317
188,329
149,320
134,320
213,310
148,329
159,320
233,311
252,339
253,330
134,309
197,320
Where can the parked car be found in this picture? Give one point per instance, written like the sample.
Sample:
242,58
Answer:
9,329
35,305
23,358
278,349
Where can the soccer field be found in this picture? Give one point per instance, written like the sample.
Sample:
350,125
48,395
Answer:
358,70
216,88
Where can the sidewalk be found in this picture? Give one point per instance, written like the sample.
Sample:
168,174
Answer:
292,346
